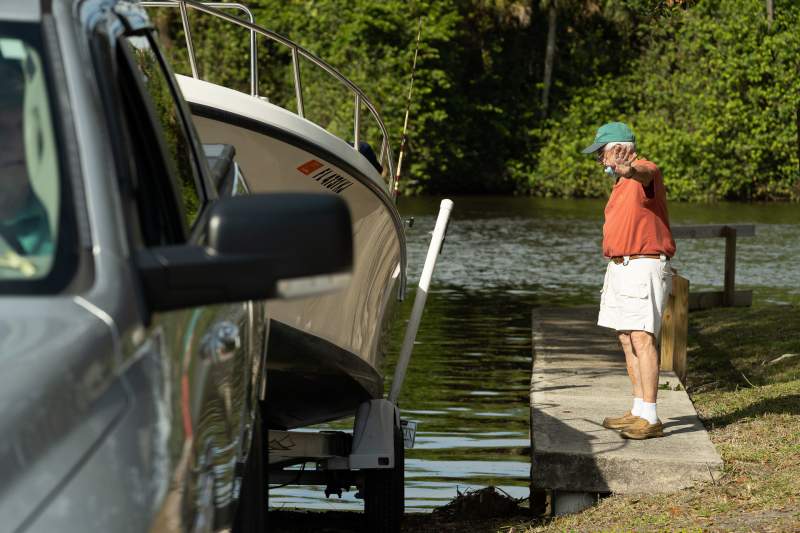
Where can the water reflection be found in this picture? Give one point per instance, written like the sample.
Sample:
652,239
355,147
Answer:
468,391
467,386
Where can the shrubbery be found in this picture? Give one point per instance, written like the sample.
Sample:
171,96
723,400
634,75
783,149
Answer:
709,89
713,99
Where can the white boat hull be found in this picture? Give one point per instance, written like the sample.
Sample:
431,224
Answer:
332,344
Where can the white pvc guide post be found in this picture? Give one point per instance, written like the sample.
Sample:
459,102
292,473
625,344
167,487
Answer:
419,300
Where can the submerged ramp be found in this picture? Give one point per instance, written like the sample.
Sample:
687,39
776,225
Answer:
578,379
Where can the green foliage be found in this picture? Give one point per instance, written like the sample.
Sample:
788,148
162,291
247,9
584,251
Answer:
711,91
373,44
713,98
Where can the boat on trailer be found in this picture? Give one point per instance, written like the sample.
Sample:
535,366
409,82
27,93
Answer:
325,353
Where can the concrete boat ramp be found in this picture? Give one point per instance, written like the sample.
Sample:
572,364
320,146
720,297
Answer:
578,379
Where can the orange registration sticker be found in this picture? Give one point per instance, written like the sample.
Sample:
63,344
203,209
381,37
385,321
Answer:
309,166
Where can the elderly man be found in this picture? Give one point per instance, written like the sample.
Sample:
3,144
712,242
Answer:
639,244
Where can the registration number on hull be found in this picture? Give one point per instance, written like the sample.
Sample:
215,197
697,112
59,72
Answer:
325,176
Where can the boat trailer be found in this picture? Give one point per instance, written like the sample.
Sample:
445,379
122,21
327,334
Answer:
371,458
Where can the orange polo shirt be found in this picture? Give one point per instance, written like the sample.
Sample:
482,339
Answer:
637,221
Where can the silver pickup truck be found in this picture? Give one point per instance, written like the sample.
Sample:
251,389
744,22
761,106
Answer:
133,287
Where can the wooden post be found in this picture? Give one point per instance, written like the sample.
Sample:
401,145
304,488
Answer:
675,328
729,296
680,288
667,340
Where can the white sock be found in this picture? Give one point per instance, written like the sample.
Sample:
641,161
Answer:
649,412
636,410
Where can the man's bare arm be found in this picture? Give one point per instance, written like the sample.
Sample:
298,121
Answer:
644,174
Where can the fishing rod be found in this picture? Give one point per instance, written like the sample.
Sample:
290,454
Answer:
408,111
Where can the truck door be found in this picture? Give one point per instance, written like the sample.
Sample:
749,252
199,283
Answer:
203,351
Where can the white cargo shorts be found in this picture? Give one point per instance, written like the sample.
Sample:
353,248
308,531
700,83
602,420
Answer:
635,293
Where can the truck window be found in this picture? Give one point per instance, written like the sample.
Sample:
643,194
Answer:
180,157
37,244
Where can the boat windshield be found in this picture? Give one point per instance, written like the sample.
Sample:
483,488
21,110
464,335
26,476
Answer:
31,185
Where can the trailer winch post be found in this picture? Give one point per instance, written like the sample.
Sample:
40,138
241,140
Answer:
421,297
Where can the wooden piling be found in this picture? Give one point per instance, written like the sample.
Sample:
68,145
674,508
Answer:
675,328
729,296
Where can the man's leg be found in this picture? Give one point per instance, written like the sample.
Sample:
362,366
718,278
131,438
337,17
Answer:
632,364
644,347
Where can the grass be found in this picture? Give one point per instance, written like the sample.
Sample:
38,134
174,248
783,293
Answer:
752,411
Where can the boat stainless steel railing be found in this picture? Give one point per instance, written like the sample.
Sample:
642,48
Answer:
214,9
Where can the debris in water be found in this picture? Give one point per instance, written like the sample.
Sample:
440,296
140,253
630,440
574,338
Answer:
783,358
487,502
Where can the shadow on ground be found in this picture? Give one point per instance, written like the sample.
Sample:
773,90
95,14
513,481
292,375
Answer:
782,405
351,522
485,509
306,521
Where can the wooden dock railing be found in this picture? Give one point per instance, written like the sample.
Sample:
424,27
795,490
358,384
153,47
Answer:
729,296
675,322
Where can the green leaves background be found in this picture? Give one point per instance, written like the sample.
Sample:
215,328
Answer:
710,90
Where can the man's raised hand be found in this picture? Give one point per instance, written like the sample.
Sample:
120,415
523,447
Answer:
622,160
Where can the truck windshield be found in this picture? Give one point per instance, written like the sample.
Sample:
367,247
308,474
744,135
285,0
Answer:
31,186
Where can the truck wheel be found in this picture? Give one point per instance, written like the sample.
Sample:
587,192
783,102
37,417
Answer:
384,493
251,513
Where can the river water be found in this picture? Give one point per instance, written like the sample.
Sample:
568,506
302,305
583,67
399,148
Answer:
467,387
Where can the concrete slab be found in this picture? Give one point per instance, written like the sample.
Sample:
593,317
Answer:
578,379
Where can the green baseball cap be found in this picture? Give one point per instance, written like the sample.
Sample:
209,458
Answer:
609,133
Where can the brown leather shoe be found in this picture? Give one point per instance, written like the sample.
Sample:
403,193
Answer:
620,422
642,429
